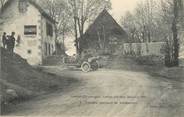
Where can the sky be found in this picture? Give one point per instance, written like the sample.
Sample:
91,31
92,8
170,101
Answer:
120,7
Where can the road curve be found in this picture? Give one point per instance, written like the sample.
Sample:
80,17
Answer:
111,93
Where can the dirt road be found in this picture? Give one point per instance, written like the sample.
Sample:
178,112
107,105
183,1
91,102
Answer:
110,93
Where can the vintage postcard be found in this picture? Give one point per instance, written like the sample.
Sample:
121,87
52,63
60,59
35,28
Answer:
92,58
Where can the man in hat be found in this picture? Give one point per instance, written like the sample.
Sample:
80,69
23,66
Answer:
11,43
4,40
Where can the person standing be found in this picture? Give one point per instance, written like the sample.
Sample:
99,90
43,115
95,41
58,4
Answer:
11,43
4,40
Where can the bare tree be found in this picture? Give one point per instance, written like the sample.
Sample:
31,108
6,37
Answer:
145,14
2,2
177,6
173,16
83,12
143,23
59,11
162,20
74,13
129,24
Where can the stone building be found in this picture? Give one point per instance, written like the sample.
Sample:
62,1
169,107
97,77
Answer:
34,28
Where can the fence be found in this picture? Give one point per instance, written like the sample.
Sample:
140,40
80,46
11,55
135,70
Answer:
144,49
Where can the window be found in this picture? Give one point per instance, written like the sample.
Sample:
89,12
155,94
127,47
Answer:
113,41
49,29
49,49
29,51
22,6
45,48
30,30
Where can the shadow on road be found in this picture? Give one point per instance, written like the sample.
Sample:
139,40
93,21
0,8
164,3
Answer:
67,84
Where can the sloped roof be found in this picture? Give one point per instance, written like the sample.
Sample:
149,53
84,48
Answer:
108,22
46,15
104,27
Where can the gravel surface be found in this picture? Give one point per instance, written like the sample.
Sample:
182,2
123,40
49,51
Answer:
118,93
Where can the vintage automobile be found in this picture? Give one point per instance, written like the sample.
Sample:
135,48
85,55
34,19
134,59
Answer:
86,63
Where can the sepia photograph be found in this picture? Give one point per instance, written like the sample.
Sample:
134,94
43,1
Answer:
92,58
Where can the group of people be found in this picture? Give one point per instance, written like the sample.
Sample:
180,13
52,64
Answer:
9,41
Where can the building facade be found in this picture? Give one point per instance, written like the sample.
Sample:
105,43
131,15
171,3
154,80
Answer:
34,29
105,35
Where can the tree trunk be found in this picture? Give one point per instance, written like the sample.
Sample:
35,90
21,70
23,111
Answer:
63,41
81,23
76,35
2,5
56,34
149,36
175,34
175,44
